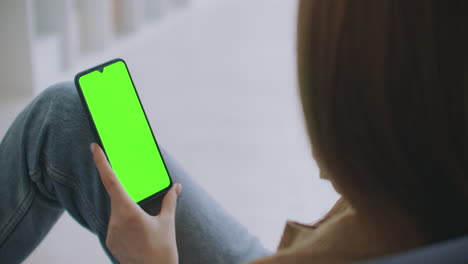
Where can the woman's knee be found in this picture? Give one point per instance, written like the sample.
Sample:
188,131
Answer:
60,107
59,97
59,131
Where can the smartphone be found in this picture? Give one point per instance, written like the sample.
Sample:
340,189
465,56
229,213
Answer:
117,116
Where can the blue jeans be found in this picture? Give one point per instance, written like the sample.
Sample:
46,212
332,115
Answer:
46,168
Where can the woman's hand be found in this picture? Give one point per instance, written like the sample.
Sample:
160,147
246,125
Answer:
133,236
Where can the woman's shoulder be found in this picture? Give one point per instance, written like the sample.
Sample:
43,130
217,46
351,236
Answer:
339,237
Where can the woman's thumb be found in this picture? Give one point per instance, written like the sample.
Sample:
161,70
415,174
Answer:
169,202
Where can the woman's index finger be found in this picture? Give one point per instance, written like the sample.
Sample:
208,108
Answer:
109,179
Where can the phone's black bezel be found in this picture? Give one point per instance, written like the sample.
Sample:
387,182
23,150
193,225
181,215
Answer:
100,68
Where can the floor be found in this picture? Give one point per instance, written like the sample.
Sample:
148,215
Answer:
219,88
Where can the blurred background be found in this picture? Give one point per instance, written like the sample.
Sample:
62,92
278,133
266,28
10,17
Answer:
217,79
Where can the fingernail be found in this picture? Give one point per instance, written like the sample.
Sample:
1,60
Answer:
178,189
93,147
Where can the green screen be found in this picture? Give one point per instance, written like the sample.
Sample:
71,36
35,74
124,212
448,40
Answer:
124,131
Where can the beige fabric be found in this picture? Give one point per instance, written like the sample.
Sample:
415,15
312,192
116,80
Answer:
338,238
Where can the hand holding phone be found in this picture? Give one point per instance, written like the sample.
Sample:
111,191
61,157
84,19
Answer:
133,236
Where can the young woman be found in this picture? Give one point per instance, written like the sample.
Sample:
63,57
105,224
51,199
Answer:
384,88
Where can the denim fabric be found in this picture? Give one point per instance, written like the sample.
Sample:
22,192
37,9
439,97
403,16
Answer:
46,168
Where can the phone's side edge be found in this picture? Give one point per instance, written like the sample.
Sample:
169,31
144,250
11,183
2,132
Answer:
87,111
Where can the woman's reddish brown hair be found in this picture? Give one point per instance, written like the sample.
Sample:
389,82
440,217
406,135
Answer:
384,87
